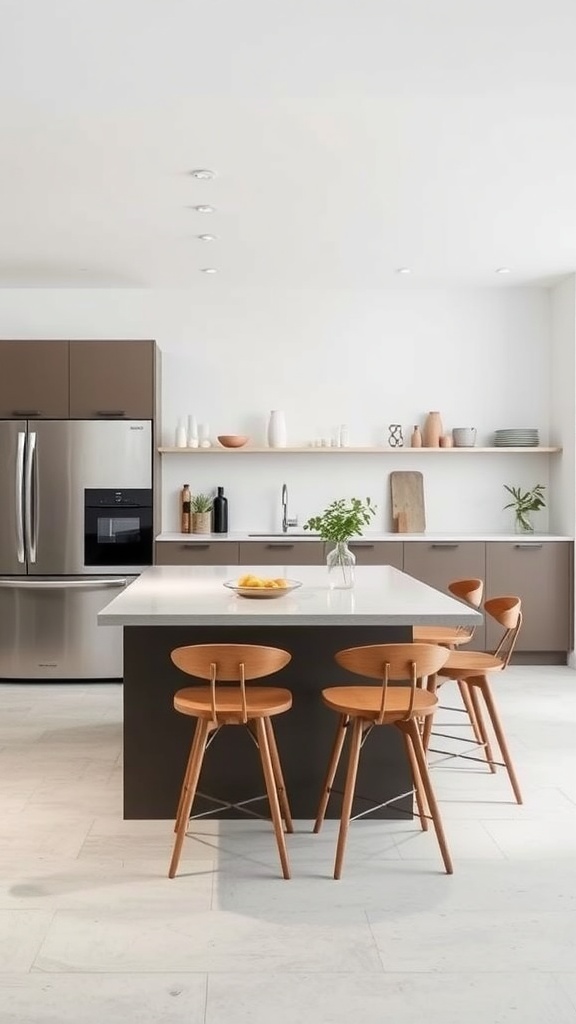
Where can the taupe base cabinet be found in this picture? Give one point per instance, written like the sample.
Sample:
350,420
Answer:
539,572
439,563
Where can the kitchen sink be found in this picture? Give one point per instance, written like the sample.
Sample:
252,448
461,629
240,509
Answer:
285,536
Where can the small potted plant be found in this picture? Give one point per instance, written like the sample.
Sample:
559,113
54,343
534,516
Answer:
338,523
201,513
524,504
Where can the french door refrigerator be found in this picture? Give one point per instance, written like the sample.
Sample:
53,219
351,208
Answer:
49,596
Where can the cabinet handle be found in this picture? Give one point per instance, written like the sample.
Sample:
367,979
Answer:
444,545
360,544
528,547
25,413
194,547
112,412
282,546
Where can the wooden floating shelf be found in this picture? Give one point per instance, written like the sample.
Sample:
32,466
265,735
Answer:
217,450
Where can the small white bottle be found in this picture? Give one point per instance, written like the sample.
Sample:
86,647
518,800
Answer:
180,439
343,437
192,432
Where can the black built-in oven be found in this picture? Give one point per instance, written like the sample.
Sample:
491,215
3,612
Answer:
118,527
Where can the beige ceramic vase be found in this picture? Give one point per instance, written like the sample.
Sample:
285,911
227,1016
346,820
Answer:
416,438
432,430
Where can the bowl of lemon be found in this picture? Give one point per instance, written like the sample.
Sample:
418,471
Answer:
250,585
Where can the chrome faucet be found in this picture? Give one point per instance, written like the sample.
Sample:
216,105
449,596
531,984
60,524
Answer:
286,522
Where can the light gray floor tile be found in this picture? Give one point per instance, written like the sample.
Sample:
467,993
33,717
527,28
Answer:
188,941
21,934
102,999
399,998
491,941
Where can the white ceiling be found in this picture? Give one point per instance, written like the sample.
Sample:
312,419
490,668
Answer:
349,139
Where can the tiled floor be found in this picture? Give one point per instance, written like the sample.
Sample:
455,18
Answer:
93,932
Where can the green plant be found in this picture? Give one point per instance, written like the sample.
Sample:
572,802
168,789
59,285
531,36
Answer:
340,521
201,503
525,502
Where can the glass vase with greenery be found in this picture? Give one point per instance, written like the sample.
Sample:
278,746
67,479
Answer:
524,504
338,523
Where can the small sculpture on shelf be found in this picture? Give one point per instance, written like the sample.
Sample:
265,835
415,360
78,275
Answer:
395,436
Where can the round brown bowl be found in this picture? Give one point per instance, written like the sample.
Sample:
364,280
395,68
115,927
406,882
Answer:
233,440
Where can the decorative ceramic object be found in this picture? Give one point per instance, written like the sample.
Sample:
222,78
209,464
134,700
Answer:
432,430
233,440
277,429
180,439
204,435
395,436
446,441
464,437
192,432
416,438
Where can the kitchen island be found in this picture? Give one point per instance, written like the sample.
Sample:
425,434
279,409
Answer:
169,606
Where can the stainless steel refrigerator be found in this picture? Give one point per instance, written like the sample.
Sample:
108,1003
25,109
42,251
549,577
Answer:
52,586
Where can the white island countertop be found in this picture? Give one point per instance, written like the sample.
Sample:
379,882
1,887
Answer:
195,595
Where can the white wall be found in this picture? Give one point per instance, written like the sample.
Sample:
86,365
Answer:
482,357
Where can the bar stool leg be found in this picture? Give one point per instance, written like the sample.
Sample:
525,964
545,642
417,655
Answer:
470,710
202,730
482,726
185,782
278,775
484,687
413,734
332,768
354,756
432,686
423,810
272,795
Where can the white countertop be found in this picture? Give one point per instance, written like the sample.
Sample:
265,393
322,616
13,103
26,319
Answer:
194,595
367,538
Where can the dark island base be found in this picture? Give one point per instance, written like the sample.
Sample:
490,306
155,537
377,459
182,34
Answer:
157,738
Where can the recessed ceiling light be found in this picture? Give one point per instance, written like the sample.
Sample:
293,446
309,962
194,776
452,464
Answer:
202,175
208,270
206,238
502,270
203,209
403,270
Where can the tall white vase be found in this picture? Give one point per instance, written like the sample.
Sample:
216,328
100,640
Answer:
277,429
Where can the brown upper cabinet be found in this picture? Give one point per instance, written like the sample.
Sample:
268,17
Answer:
34,380
112,378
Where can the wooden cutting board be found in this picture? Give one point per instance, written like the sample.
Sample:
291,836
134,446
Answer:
407,491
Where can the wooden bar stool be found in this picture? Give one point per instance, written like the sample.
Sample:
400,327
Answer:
471,591
474,668
216,706
362,707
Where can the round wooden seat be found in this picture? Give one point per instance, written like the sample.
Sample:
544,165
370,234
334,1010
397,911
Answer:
463,664
261,702
446,636
366,701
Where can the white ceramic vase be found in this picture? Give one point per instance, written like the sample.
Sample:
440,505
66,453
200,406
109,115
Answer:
277,429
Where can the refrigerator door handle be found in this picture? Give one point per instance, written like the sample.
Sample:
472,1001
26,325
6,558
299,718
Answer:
30,498
19,496
31,584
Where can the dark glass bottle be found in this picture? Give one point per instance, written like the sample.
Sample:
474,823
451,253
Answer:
220,512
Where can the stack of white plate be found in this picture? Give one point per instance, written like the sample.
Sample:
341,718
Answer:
519,437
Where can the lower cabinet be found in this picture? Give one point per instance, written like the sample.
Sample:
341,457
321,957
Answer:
540,573
379,552
306,552
438,563
196,552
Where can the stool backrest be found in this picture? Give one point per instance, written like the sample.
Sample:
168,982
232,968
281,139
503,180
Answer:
229,663
508,613
392,663
470,591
